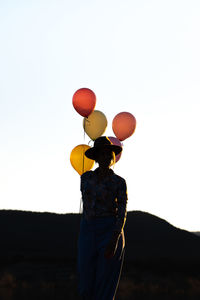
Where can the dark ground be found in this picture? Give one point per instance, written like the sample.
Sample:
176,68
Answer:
38,262
57,280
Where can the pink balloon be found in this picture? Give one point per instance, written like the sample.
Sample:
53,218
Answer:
116,142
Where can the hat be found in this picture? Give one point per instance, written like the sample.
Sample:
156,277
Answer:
101,143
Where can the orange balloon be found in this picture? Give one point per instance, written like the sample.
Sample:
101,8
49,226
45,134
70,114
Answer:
84,101
123,125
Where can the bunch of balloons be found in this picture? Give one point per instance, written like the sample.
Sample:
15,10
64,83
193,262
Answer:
94,124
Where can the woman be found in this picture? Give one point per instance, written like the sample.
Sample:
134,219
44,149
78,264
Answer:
101,242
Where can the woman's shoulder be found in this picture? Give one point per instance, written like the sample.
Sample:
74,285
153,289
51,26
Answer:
119,178
87,174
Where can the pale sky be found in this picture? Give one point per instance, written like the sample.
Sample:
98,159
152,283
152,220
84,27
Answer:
137,56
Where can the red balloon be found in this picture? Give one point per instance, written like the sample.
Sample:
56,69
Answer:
116,142
123,125
84,101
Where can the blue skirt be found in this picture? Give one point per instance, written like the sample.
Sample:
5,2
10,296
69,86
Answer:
98,277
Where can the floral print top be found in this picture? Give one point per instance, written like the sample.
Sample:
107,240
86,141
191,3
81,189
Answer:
105,197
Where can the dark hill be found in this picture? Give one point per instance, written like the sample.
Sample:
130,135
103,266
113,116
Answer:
48,235
197,232
150,237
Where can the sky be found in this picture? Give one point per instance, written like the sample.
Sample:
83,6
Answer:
137,56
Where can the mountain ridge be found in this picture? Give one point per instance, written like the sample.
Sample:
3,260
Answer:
47,234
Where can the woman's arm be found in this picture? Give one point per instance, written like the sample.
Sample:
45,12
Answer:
121,219
122,199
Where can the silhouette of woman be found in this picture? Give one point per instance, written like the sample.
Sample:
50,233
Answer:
101,242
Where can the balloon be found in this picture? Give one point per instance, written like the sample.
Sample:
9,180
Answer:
116,142
95,125
79,161
84,101
123,125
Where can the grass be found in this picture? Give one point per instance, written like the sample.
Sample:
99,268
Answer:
144,285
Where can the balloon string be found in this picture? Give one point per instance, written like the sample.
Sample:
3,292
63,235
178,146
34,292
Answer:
89,142
83,160
84,129
84,142
80,205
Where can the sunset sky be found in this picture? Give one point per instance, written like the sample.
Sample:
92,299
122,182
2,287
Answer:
141,57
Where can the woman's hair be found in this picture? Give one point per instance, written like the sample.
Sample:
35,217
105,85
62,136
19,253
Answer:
112,162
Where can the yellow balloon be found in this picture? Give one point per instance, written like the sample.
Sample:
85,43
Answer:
95,125
79,161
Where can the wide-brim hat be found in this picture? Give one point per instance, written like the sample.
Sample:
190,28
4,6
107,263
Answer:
101,143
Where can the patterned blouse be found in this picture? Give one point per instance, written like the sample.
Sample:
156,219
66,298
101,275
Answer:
105,197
